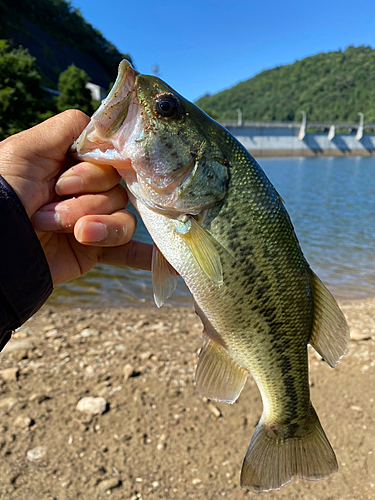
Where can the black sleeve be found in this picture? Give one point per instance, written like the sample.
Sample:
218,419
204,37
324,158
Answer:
25,279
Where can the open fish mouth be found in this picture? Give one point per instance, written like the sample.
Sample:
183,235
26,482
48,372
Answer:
103,139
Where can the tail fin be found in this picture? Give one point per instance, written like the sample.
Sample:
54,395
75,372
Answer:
275,455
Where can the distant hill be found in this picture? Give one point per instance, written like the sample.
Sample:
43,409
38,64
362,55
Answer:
331,86
57,35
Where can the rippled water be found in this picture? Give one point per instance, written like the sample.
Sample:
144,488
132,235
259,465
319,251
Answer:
331,202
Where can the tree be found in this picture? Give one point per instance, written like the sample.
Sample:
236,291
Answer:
21,95
73,91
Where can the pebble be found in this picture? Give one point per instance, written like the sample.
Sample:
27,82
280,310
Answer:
23,422
36,454
89,332
108,485
20,354
128,371
7,403
357,334
145,355
52,333
93,406
9,374
39,397
214,410
15,344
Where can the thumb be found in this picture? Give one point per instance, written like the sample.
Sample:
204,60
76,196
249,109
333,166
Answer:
53,137
31,160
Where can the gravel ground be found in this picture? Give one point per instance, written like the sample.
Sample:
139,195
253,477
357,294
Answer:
98,403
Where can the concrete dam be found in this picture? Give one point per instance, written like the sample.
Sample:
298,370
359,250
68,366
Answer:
265,139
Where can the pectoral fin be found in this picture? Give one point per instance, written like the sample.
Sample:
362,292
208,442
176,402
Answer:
200,243
218,377
330,335
163,276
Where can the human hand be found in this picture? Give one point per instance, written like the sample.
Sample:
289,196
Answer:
75,233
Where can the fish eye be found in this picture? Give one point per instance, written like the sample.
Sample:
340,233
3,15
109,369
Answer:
168,106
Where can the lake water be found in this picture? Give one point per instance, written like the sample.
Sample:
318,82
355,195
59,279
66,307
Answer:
331,202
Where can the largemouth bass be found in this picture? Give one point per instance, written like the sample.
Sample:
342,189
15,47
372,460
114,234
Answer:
216,219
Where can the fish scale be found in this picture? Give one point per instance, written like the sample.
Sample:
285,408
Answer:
216,219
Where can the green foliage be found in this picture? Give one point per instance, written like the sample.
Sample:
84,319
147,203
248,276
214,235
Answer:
73,91
21,97
65,23
329,87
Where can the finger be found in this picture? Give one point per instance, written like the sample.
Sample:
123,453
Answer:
106,230
51,139
58,133
87,177
63,215
134,254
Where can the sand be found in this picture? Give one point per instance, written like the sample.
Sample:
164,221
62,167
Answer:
153,436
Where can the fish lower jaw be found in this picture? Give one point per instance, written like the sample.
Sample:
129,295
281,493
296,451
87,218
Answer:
105,156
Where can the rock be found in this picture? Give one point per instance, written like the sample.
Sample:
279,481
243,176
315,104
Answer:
128,371
89,371
214,410
89,332
9,374
108,484
39,397
54,333
139,324
23,422
357,334
7,403
145,355
20,334
20,354
36,454
356,408
93,406
15,344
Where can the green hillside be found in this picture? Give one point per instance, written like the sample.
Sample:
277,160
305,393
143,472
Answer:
331,86
57,35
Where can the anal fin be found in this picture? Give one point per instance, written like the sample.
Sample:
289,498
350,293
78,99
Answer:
330,335
218,377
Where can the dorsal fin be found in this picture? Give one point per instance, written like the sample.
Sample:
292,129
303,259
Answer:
163,277
200,243
330,334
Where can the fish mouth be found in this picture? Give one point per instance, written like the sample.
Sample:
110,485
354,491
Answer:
102,139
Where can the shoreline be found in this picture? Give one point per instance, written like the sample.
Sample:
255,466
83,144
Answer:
360,313
148,304
302,153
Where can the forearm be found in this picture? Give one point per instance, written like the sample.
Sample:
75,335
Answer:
25,280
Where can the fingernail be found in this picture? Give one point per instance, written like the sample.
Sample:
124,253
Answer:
69,184
47,221
92,232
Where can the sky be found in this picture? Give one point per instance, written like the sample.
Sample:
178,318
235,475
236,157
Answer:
206,46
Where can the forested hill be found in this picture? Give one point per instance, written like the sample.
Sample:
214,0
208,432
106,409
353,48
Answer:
331,86
57,35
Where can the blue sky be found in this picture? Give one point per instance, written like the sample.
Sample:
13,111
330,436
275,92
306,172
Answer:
207,46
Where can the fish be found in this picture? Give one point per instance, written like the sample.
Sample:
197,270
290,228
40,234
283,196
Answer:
218,222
